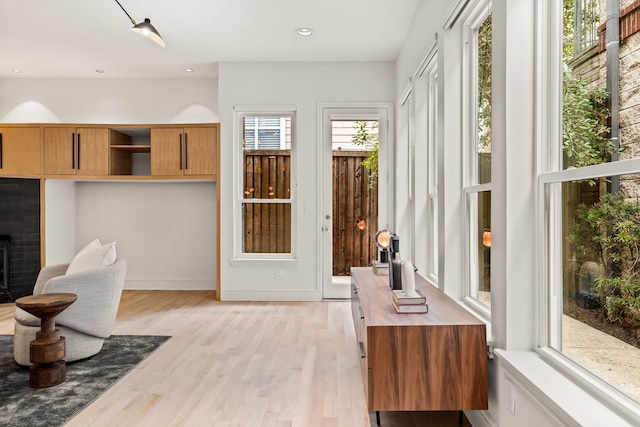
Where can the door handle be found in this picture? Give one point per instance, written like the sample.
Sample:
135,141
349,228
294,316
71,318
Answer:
73,150
186,151
181,152
78,151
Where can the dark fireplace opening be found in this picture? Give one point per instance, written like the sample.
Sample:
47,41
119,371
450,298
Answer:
20,230
5,276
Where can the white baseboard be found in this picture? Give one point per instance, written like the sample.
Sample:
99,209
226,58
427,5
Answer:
262,295
480,419
170,285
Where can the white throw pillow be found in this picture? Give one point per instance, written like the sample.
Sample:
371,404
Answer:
94,244
93,258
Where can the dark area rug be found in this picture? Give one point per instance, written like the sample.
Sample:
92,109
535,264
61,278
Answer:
87,379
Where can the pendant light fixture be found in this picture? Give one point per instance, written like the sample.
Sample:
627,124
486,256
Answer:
145,28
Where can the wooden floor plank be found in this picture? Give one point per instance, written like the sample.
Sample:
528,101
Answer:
268,364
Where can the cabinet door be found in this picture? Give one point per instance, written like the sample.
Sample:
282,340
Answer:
20,151
60,151
92,151
167,152
200,151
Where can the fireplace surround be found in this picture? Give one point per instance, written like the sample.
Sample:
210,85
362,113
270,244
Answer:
20,230
5,269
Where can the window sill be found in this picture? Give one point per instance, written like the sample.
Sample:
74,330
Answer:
265,262
565,400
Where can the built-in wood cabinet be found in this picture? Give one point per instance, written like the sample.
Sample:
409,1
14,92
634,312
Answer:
433,361
184,151
77,151
20,152
60,153
160,151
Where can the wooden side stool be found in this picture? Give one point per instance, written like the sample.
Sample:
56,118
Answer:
47,351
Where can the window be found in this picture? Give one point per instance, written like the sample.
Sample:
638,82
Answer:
266,196
590,207
477,159
432,177
265,133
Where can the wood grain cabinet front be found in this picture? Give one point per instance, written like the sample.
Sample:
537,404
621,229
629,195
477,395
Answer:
434,361
20,151
76,151
184,151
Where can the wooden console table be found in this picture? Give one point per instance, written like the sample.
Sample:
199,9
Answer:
435,361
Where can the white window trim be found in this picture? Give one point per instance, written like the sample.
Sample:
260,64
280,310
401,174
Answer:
550,176
429,67
474,18
549,209
240,257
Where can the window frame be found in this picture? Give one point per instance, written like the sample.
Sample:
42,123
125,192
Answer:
470,184
240,112
550,176
550,218
431,71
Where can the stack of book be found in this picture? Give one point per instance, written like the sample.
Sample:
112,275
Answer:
405,304
380,267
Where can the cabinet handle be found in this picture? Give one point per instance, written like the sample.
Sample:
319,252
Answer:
181,150
1,147
186,151
361,312
73,150
78,151
361,347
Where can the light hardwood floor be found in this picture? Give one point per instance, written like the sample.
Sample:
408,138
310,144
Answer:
239,365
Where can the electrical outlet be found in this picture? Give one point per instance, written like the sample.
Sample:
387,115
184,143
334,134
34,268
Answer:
278,274
511,397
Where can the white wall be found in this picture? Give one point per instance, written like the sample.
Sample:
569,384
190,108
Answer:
60,221
138,216
302,85
165,231
117,101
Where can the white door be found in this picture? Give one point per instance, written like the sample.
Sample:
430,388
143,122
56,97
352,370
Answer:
337,130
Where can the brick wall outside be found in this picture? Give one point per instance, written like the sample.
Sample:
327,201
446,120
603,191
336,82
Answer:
629,24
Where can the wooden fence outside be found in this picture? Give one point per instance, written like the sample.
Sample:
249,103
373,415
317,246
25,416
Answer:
267,226
355,213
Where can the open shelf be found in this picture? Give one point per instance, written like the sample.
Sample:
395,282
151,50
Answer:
131,154
132,148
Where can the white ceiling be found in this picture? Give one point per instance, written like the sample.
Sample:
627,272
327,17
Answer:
73,38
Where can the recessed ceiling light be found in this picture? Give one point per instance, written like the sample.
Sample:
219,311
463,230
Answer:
15,70
99,70
304,31
189,70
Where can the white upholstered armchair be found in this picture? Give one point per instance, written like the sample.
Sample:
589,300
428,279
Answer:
87,322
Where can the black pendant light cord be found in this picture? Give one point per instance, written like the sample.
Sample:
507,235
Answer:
132,21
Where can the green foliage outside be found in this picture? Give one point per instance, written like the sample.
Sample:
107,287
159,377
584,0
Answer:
584,107
610,231
364,137
589,19
484,84
584,117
